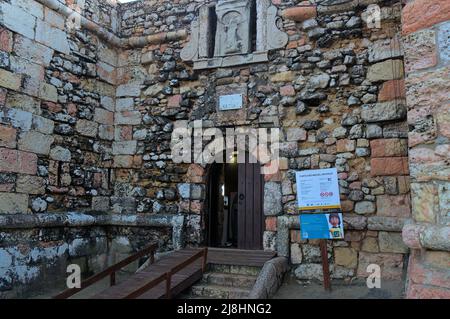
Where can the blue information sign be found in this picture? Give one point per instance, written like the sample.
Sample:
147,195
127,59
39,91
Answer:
321,226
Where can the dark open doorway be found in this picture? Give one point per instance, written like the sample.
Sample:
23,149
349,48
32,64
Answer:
235,205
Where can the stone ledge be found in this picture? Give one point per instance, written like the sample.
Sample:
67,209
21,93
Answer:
108,36
428,236
79,219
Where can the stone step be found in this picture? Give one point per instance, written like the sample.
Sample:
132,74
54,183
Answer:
219,292
229,280
235,269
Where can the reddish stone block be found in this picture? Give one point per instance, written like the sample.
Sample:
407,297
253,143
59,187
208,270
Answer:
271,223
347,206
389,147
195,173
389,166
6,40
394,205
427,292
420,14
13,161
300,13
174,101
345,145
392,90
420,50
287,90
7,136
52,107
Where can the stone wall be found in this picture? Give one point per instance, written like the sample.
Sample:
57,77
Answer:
86,120
337,92
57,103
427,57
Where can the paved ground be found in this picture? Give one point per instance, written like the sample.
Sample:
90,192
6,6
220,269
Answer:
292,289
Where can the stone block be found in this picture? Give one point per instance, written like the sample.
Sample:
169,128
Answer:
52,37
286,76
106,132
124,104
60,153
385,71
370,245
29,184
365,207
420,50
444,42
300,13
48,92
35,142
103,117
345,145
17,118
108,103
391,242
272,199
87,128
23,102
7,136
425,202
391,264
6,40
54,19
430,12
385,49
389,147
124,148
32,75
389,166
17,161
296,254
13,203
18,20
295,134
129,89
32,51
42,124
174,101
394,205
384,111
128,118
347,257
10,80
392,90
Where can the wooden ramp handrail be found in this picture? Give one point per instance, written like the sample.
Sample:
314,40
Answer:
110,271
167,276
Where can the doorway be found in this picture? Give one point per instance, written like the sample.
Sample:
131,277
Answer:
235,205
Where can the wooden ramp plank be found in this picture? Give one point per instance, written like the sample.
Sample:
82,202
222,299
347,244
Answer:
187,276
150,273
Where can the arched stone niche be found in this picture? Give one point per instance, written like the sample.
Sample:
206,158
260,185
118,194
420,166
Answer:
234,32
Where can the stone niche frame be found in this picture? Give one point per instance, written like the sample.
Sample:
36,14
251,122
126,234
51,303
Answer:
222,36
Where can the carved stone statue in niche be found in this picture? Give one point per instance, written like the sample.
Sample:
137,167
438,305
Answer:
231,44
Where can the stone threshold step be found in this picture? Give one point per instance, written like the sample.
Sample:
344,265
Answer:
219,292
229,280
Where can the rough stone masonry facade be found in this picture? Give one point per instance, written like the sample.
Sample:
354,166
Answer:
87,115
427,55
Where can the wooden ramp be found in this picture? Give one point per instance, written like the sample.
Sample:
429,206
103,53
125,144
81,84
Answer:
171,274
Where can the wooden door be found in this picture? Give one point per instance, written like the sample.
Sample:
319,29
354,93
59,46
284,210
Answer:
250,206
